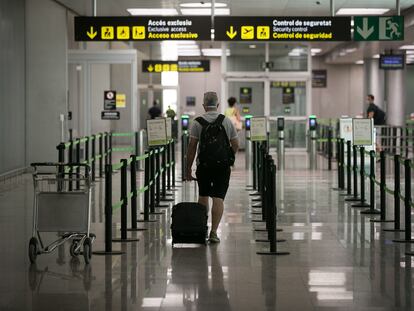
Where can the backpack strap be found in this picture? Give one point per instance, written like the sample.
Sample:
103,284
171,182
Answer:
202,121
219,119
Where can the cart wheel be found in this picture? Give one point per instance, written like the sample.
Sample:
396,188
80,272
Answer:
87,250
33,250
73,252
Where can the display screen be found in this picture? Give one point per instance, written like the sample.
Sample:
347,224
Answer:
280,124
184,123
312,123
247,123
392,61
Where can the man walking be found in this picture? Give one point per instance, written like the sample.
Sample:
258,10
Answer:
374,111
217,142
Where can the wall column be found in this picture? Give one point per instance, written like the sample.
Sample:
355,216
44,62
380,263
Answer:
374,82
395,83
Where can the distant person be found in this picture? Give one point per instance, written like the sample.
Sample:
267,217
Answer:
218,143
154,112
374,112
233,113
170,113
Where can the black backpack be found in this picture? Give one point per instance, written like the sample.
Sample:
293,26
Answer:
215,148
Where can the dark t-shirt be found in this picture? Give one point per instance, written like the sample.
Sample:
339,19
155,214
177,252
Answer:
379,115
154,112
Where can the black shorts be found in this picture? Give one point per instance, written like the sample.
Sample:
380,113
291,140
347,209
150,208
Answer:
213,182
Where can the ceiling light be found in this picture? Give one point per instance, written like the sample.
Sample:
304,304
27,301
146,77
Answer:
202,5
351,50
196,11
376,56
214,52
316,51
361,11
359,62
189,53
407,47
252,46
409,52
159,11
343,53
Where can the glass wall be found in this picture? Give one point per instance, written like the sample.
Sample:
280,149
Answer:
246,56
288,57
288,98
249,95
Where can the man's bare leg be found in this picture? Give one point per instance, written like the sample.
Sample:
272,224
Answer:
216,213
203,201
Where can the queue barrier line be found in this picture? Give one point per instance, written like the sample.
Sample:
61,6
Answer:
126,134
122,149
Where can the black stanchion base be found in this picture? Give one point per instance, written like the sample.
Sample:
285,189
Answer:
136,229
254,194
272,253
393,230
258,220
409,253
257,200
371,212
403,241
124,240
265,240
256,213
380,220
104,253
162,205
360,205
338,189
258,207
346,194
149,220
353,199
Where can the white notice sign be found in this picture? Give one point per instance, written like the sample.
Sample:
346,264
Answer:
258,129
362,131
169,128
156,132
345,129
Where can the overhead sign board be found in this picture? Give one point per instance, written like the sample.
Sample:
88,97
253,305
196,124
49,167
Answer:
142,28
110,115
180,66
282,28
378,28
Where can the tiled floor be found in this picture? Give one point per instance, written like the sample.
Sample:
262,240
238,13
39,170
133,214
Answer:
338,259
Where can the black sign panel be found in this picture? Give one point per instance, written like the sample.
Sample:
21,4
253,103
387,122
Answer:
288,95
109,100
282,28
142,28
245,95
110,115
180,66
319,78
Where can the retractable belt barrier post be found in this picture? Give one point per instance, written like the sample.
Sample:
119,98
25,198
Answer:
124,204
341,159
372,210
354,198
110,147
93,141
164,174
147,183
348,168
108,214
153,183
100,155
173,164
362,203
271,209
329,149
407,203
396,193
106,148
70,161
77,142
261,151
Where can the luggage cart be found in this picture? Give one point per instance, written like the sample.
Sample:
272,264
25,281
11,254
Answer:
61,204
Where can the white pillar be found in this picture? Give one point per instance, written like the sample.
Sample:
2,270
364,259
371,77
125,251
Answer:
374,82
395,81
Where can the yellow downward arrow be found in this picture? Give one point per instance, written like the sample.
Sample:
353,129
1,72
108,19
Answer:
231,34
92,34
150,68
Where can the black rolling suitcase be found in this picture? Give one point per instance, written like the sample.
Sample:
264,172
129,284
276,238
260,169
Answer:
189,223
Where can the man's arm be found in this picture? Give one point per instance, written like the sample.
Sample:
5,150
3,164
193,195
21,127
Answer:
191,152
234,145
